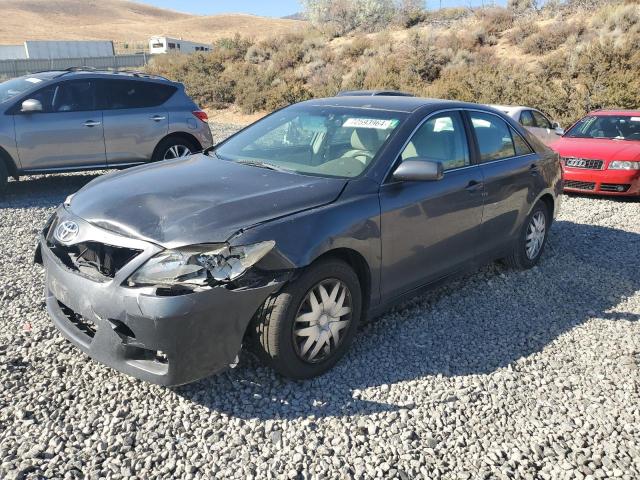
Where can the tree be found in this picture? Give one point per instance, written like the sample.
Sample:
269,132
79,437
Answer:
338,17
521,5
410,12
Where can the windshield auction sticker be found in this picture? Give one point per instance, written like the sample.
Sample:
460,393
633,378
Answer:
32,80
369,123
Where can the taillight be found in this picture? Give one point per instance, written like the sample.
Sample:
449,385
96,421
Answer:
201,115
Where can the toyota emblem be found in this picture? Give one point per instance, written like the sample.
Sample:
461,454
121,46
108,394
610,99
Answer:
67,231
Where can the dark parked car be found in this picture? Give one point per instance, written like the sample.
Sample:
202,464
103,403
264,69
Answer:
77,119
290,233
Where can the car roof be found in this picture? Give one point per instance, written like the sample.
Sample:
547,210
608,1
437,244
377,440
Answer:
623,113
512,108
392,103
373,93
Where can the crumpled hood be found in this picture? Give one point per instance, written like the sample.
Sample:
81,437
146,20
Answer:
598,148
197,200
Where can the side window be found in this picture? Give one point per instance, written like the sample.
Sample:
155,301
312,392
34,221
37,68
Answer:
45,97
494,136
136,94
441,139
541,120
522,147
74,96
526,119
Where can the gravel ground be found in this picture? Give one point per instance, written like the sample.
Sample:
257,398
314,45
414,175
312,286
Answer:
497,375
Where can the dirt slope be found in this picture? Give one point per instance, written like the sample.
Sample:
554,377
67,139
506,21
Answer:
124,21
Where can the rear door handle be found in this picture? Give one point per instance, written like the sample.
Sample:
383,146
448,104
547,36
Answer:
92,123
474,186
158,118
534,170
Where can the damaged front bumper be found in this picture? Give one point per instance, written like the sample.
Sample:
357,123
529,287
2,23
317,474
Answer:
163,338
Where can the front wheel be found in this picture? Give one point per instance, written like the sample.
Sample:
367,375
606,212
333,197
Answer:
174,147
305,329
528,247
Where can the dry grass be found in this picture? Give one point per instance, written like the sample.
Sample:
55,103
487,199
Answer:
125,21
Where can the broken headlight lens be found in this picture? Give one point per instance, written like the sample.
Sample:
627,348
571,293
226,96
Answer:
200,265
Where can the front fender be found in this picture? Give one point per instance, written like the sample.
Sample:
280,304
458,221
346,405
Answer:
352,222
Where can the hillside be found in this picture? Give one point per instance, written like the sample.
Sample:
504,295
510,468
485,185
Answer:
565,59
125,21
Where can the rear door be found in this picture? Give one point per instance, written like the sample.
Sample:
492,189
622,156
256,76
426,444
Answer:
135,119
511,173
431,229
544,128
67,134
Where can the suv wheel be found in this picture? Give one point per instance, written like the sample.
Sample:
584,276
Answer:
174,147
305,329
530,244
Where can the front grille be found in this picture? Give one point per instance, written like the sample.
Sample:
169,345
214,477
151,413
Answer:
584,163
94,259
615,187
579,185
85,325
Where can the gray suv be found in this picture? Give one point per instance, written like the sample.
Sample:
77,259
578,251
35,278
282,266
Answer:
72,120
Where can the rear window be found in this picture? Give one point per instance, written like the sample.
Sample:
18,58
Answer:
123,94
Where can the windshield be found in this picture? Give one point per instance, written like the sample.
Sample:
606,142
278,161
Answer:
16,86
324,141
616,127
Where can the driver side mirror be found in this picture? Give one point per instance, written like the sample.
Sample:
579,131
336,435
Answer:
419,170
31,105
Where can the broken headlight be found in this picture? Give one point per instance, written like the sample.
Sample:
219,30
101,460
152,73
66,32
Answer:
200,265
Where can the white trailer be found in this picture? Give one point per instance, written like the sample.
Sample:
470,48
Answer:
161,44
52,49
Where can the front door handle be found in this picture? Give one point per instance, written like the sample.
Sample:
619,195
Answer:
92,123
158,118
474,186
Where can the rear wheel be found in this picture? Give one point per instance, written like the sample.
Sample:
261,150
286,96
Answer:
305,329
174,147
528,248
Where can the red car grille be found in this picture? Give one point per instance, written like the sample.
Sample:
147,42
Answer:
585,163
579,185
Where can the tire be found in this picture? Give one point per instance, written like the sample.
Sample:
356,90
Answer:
522,258
4,177
279,331
174,147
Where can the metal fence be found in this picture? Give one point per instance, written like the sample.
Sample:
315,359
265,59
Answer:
16,68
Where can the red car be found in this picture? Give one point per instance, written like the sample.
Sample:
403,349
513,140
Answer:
601,153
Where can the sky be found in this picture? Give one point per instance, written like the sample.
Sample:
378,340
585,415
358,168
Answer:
274,8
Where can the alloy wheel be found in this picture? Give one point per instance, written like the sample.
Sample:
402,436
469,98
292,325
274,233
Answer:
176,151
322,320
535,235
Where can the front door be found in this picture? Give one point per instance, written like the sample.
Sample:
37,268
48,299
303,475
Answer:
430,229
66,134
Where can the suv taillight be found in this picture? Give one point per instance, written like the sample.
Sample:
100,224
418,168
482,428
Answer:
201,115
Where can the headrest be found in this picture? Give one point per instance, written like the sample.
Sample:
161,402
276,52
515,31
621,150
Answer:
365,139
